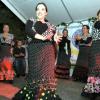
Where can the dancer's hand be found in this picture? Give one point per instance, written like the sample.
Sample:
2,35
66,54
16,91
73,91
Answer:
57,38
49,37
78,37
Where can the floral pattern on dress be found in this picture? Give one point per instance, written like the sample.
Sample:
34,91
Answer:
93,85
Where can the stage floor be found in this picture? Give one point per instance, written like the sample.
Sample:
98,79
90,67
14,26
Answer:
67,89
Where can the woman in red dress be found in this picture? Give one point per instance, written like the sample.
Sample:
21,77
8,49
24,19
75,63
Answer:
6,70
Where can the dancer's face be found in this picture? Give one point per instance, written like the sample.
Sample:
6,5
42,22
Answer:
6,29
41,12
85,30
98,17
65,33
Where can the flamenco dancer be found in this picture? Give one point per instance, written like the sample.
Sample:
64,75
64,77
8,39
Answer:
41,81
92,88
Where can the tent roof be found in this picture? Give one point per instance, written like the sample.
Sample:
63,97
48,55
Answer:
59,10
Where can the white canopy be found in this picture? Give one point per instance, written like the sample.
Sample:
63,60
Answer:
59,10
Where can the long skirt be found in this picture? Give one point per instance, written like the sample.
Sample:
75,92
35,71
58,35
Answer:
41,64
63,65
82,65
93,83
41,81
6,63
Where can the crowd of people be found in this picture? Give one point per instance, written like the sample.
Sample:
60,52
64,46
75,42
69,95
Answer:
41,79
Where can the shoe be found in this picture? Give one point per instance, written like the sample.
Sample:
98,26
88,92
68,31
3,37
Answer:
84,94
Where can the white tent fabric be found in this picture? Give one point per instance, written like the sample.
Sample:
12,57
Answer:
59,10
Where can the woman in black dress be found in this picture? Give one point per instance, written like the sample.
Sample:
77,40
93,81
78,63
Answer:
63,60
6,63
84,41
41,81
92,88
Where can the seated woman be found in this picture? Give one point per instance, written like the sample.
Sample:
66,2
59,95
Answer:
63,60
6,69
81,70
